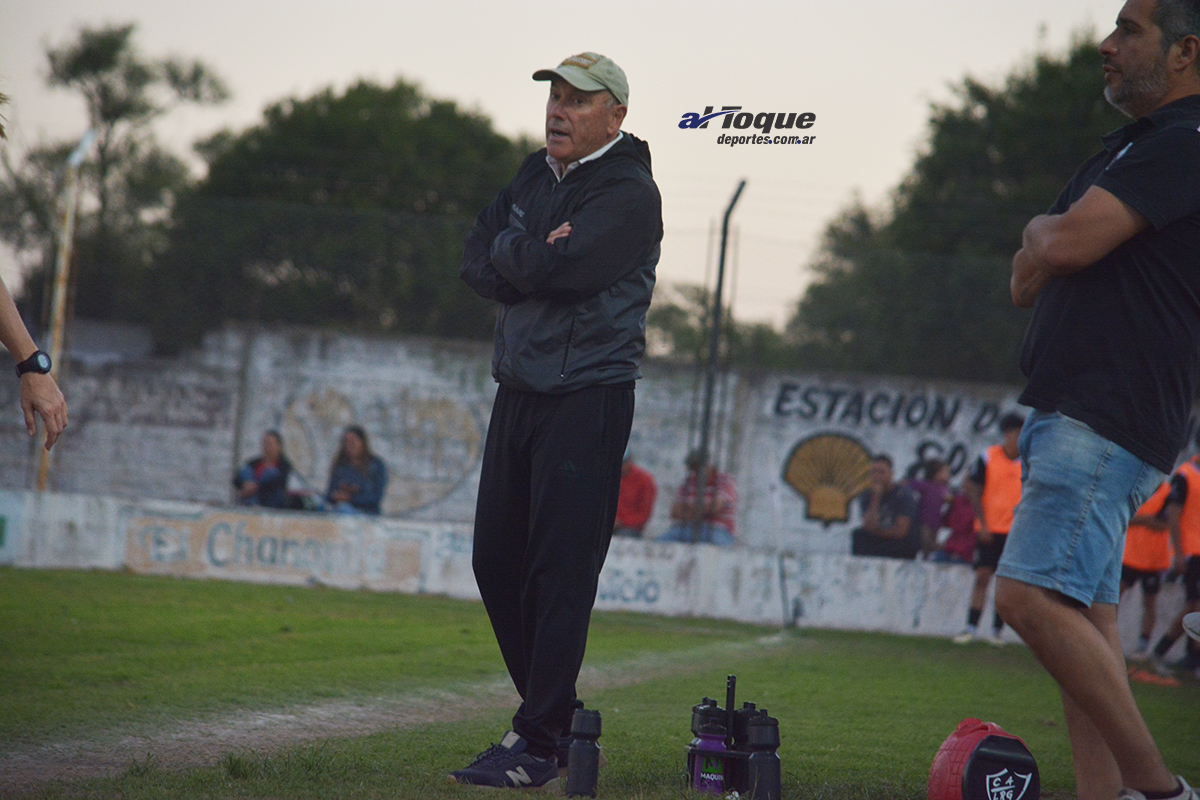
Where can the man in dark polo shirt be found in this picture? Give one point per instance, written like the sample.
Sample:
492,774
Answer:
1112,355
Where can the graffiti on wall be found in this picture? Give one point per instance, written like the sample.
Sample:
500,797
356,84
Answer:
945,426
842,426
634,588
168,400
430,444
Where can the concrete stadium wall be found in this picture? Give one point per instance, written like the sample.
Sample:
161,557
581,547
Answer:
192,540
141,477
796,445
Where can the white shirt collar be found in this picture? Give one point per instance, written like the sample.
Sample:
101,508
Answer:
560,173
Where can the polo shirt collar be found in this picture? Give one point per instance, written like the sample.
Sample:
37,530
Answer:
1184,108
560,173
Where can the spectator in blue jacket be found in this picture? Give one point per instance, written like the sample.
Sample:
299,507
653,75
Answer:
357,477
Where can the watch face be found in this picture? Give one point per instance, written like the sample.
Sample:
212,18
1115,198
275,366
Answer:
38,362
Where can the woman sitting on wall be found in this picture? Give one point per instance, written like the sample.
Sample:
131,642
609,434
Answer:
357,477
263,480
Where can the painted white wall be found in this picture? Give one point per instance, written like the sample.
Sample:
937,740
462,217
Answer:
178,429
745,584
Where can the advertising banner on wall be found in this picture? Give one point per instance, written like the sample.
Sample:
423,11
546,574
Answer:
275,548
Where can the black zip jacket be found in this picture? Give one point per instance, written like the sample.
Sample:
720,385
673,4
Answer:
574,312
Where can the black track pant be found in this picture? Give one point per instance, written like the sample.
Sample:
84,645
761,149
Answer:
547,501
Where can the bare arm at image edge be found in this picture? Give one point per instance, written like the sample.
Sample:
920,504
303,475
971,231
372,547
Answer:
40,395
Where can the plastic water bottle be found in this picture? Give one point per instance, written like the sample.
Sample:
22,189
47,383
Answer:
762,739
737,775
708,769
583,756
707,711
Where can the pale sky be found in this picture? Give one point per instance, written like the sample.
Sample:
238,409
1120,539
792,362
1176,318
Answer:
868,70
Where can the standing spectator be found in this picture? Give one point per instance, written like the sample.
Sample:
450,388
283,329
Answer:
933,490
889,516
40,394
568,250
357,477
1112,356
994,487
1183,519
263,480
1147,556
636,501
704,506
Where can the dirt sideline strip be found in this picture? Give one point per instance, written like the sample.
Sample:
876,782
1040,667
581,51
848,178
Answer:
182,744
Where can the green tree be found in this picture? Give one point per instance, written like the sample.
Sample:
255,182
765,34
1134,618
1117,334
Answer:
678,329
677,323
347,209
921,288
128,184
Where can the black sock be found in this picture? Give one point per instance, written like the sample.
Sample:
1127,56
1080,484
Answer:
1164,795
973,616
1164,644
1192,654
997,624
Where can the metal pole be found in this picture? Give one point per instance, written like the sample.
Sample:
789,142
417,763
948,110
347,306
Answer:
714,343
62,271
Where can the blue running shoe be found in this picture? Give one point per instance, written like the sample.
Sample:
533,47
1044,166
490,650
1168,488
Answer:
507,765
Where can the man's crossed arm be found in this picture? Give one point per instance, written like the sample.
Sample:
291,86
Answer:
1060,244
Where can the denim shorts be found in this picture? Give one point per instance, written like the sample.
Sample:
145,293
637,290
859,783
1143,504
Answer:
1078,492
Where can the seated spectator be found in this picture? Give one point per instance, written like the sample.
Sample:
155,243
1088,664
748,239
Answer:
959,517
357,477
933,489
889,513
263,480
636,501
703,516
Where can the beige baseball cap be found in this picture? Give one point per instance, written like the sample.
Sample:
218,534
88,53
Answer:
590,72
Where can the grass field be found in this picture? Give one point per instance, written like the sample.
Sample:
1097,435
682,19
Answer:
204,689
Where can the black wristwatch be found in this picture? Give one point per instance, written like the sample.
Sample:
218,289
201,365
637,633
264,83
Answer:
38,362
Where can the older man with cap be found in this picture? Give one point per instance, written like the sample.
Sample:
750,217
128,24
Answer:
568,250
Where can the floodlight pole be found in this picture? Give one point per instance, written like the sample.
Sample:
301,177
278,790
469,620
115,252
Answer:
710,373
62,272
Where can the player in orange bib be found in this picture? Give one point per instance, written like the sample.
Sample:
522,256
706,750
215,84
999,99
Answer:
1148,555
994,487
1183,515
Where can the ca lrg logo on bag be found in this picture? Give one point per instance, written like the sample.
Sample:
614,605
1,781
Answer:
1007,785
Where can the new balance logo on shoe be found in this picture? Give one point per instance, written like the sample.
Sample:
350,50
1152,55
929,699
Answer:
519,777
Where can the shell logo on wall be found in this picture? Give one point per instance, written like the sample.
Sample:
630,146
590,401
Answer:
828,470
